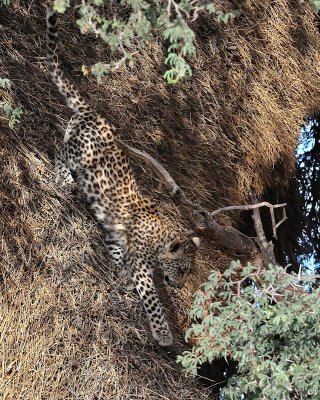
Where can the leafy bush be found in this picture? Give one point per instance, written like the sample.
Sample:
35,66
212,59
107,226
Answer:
265,320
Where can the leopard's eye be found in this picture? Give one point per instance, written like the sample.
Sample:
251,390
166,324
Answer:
174,247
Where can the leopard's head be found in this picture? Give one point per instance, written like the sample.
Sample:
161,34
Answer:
177,259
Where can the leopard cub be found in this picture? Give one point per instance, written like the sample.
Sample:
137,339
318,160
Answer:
137,237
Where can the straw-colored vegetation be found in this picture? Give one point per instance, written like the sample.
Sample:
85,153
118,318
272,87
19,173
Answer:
69,327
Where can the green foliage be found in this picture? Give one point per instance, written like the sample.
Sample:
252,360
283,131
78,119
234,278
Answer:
131,24
315,4
12,113
5,83
61,5
127,27
265,320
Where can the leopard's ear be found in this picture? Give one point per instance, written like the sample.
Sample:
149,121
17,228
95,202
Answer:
196,241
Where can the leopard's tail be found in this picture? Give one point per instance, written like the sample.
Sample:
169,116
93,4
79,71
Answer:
74,99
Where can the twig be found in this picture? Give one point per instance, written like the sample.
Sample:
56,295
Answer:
247,207
283,218
266,247
258,205
177,8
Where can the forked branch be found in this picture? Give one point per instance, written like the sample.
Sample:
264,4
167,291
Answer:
226,239
271,207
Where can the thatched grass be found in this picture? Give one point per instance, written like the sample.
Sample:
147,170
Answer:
70,328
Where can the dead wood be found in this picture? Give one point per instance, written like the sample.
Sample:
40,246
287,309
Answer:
226,239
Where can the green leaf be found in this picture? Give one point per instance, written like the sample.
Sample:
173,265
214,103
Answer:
5,2
61,5
5,83
316,6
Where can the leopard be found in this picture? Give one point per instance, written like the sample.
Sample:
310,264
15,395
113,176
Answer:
136,236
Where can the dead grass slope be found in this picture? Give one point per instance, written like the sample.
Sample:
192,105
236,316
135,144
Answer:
69,328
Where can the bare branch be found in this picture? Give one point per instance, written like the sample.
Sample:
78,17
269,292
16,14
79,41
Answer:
284,217
258,205
176,192
266,247
247,207
227,239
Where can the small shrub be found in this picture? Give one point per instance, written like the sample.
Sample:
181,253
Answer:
267,321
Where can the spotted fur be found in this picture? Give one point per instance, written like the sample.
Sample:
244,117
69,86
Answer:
136,236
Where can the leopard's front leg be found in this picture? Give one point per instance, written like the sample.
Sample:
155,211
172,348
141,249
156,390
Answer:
63,173
116,253
142,278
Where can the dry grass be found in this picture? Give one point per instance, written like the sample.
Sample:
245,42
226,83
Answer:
70,328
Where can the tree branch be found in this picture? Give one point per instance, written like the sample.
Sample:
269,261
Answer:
258,205
226,239
176,192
